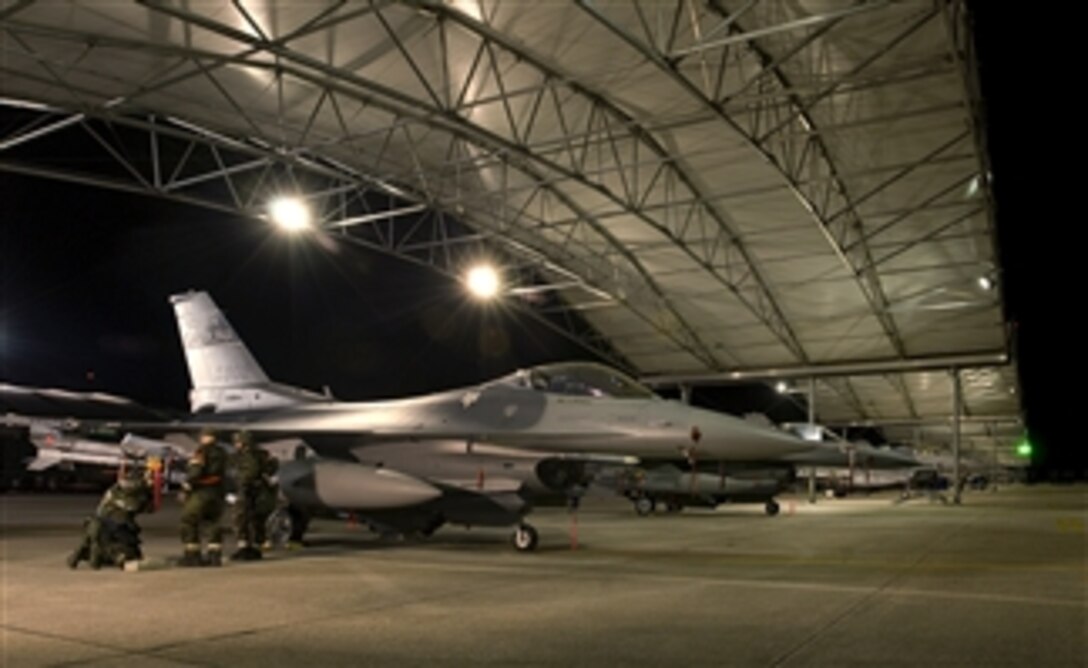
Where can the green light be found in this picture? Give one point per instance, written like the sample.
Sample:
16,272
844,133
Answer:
1024,449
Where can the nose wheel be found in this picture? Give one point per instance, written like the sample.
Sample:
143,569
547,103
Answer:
286,525
771,508
524,538
644,505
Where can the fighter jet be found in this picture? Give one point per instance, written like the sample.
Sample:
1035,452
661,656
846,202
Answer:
710,484
467,456
843,467
40,418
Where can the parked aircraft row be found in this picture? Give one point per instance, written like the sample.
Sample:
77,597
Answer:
475,456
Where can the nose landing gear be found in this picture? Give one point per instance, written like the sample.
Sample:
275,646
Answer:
524,538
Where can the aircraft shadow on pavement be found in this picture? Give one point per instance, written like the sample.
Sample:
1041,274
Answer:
491,542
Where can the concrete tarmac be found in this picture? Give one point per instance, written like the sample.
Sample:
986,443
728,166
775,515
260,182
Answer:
998,581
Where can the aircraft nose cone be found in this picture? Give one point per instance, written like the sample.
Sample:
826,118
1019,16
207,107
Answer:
782,445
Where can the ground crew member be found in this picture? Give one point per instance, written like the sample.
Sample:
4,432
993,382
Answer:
203,493
111,535
254,472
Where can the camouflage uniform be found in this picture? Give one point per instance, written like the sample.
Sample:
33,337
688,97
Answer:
204,485
253,471
111,535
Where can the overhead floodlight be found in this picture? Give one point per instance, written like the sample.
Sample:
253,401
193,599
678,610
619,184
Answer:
782,387
290,213
483,282
986,283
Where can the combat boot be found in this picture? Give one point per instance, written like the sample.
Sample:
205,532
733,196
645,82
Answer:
74,558
253,554
242,553
96,558
214,558
190,558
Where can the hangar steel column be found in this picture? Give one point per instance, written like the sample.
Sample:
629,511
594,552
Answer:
812,426
957,409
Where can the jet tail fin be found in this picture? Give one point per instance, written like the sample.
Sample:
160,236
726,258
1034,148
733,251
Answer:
225,376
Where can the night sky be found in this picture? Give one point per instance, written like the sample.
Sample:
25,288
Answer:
85,275
1032,202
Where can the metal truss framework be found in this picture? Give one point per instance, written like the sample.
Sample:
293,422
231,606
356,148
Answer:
594,148
179,161
484,142
779,125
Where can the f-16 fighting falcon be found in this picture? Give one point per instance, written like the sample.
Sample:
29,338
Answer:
469,456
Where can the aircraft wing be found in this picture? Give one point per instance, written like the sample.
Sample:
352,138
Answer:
570,442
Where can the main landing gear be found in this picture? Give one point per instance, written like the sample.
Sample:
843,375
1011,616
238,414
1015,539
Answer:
285,526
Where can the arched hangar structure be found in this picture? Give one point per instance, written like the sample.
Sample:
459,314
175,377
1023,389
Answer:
723,190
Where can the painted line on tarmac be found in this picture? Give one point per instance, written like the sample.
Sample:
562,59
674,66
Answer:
559,567
113,651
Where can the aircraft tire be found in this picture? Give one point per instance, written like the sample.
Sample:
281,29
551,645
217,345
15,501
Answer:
524,538
286,525
278,527
433,525
644,505
771,508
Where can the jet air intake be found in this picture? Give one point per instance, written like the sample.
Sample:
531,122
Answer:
559,475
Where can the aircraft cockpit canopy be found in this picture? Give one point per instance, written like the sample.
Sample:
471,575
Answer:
584,379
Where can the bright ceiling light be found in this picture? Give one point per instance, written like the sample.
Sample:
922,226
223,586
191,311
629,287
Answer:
290,213
986,283
973,186
781,387
483,281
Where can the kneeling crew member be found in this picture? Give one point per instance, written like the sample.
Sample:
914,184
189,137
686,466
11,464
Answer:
111,536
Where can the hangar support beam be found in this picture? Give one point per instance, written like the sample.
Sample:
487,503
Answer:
398,103
858,368
200,168
620,127
957,415
933,420
642,296
831,205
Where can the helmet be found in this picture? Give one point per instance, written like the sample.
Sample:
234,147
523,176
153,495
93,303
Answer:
206,432
133,476
243,438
